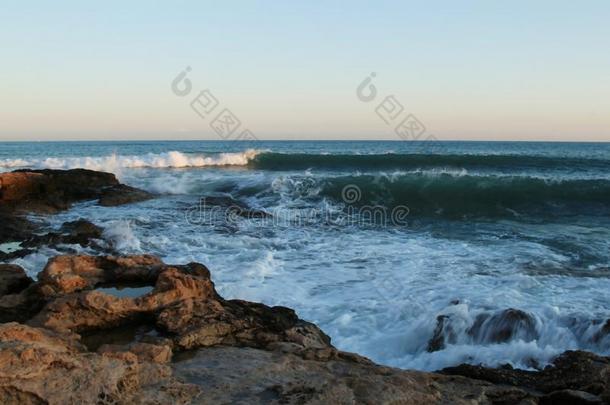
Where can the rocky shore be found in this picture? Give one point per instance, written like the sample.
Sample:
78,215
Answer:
113,329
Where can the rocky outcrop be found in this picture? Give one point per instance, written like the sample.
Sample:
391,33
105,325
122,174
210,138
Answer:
38,366
573,375
183,304
189,343
228,375
503,326
50,191
181,342
487,328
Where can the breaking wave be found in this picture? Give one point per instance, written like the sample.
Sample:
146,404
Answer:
113,163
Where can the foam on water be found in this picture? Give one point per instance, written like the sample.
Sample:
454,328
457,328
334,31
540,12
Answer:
114,163
120,234
376,290
379,292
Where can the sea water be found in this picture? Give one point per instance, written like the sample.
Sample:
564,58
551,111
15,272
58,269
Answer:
484,227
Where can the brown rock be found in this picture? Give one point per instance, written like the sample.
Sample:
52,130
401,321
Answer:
54,190
37,366
252,376
50,191
142,351
183,304
66,274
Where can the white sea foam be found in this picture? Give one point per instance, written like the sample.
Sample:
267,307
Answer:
377,292
114,162
120,234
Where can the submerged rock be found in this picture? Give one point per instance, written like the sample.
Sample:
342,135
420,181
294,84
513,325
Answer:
443,334
80,232
121,195
503,326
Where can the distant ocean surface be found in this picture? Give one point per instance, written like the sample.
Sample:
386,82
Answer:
489,226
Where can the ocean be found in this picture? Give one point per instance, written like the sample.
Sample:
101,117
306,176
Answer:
501,249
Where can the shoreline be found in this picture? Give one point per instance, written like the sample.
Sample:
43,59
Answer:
192,335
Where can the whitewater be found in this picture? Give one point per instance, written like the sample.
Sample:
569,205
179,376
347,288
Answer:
504,256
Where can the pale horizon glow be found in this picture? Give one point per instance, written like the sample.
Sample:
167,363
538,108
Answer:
475,70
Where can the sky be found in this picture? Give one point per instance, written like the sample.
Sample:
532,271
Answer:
472,70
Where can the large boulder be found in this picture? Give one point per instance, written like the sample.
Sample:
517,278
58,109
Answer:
503,326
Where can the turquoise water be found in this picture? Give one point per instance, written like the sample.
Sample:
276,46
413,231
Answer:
483,227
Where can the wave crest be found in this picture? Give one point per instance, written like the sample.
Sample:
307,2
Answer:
114,162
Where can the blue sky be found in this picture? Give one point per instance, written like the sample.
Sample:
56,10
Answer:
467,70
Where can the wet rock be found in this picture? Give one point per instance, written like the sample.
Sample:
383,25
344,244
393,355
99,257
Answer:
602,334
13,279
39,366
503,326
121,195
574,370
443,334
80,232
